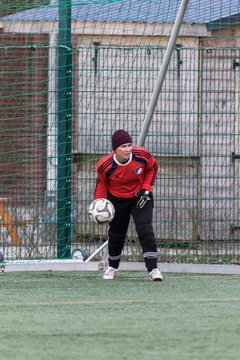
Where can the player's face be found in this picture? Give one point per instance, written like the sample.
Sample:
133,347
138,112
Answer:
123,152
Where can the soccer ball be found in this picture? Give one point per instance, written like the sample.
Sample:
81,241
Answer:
101,211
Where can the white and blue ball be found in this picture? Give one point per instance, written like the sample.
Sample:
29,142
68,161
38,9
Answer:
101,211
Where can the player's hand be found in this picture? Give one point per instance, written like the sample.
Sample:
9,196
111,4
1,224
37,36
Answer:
143,198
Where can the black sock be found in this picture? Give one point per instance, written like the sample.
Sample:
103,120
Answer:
114,263
151,264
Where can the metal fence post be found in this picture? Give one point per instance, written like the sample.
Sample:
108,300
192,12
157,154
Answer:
64,131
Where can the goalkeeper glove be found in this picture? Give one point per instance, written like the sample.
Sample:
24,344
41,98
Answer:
143,198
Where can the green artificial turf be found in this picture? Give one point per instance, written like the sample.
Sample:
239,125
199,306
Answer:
78,315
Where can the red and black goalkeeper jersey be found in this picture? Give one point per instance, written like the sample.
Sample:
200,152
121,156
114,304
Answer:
124,180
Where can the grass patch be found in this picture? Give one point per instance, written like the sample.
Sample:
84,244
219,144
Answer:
73,315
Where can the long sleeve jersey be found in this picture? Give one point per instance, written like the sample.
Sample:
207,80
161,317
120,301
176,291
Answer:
124,180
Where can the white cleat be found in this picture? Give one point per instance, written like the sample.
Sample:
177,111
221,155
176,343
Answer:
110,273
155,275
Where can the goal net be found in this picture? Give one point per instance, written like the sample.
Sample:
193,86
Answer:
73,72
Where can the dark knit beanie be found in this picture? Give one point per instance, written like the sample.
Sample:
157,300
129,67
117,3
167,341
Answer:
120,137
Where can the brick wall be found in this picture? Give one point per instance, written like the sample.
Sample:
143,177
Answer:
10,7
23,116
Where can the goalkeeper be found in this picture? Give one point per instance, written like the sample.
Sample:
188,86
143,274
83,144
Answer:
126,177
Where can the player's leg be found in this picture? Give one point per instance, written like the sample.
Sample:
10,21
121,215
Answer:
117,233
143,222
